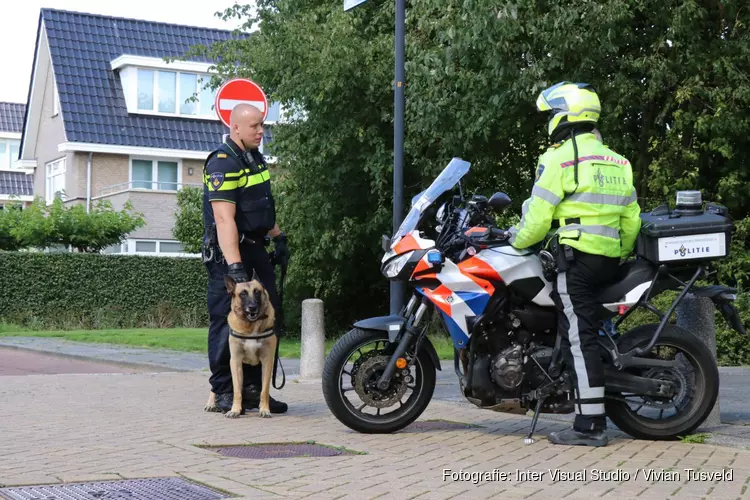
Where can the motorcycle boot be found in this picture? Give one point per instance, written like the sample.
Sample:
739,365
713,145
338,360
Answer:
574,437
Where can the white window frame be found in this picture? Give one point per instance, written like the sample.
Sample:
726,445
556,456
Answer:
155,93
128,248
55,98
6,159
155,173
5,155
11,158
47,178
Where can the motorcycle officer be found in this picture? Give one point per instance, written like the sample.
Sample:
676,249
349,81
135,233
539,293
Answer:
584,193
239,215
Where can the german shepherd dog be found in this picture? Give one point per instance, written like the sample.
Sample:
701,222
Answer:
252,339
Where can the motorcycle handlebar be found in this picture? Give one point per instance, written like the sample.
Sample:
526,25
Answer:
500,234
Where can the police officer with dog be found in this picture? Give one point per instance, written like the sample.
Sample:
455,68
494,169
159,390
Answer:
584,196
239,217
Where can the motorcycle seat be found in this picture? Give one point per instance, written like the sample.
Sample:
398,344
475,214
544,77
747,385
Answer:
630,274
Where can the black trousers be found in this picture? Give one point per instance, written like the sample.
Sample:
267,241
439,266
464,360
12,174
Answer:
576,297
254,256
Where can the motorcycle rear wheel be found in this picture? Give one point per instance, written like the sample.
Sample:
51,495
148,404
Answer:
424,382
702,391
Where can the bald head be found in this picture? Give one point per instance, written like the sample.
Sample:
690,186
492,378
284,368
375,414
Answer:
243,113
246,126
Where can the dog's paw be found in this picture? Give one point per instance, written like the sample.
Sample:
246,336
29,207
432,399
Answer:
212,408
264,413
233,414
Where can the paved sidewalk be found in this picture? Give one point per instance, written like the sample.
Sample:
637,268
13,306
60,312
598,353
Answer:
68,428
735,389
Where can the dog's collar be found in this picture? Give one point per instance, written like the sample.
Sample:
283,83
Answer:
263,335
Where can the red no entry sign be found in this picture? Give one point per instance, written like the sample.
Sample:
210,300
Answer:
237,91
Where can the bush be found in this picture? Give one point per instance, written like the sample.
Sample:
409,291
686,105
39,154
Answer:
40,226
93,291
188,226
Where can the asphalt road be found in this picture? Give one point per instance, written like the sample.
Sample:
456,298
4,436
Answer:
19,362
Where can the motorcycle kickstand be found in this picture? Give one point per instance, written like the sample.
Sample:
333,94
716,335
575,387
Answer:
529,439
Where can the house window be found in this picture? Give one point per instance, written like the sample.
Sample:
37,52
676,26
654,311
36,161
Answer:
188,87
8,152
207,97
55,100
55,181
145,247
266,145
14,145
145,89
170,247
155,174
165,248
168,92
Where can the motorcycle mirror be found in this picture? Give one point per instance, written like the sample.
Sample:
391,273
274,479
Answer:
499,201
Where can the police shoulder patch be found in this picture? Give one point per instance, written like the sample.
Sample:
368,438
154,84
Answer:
539,171
217,180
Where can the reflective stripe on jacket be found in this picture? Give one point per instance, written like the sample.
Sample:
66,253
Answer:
600,215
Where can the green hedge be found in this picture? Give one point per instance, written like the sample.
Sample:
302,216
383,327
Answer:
81,290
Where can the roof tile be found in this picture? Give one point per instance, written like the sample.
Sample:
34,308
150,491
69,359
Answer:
16,183
11,117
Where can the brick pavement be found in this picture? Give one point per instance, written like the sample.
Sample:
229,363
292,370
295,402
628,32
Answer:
85,427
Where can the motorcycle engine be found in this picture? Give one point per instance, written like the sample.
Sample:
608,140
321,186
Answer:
507,368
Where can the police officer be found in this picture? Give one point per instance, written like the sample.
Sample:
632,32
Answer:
239,218
584,194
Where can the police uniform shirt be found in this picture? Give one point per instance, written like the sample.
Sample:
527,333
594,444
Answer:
229,178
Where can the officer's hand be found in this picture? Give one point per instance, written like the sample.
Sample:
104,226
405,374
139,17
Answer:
237,273
281,250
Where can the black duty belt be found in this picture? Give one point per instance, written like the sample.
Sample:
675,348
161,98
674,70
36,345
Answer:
574,220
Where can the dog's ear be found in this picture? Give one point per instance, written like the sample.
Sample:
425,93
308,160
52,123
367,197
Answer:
230,284
255,276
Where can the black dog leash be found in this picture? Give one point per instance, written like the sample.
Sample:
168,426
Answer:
276,361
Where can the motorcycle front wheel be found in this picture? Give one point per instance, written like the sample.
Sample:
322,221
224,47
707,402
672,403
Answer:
352,369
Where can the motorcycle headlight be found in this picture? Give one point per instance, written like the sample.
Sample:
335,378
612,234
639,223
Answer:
440,213
394,267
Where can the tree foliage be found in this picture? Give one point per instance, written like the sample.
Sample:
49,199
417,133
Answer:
672,77
40,226
188,227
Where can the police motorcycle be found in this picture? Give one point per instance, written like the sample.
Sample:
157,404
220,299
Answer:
494,302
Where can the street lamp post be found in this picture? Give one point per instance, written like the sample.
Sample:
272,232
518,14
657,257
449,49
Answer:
397,288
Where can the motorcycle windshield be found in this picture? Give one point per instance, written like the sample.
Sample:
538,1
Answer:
447,179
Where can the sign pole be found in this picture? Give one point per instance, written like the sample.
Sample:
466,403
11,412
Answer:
397,289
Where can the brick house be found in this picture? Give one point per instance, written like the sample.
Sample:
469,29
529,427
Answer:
107,118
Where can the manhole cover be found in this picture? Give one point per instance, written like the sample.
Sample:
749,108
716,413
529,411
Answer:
281,451
442,425
170,488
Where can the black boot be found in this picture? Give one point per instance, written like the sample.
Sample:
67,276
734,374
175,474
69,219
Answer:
251,400
224,402
573,437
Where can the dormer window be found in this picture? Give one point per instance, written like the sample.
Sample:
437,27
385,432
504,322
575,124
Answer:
155,87
171,92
